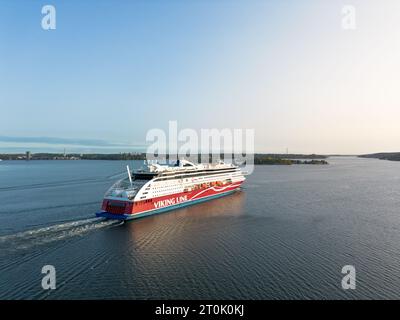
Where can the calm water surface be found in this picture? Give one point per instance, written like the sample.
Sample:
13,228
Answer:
286,235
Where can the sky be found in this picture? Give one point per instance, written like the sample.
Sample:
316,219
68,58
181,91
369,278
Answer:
113,70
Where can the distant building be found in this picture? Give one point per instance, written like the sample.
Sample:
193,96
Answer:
28,155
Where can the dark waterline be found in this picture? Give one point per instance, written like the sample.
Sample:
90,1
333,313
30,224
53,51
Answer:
286,235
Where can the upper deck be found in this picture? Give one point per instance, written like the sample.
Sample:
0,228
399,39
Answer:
183,166
128,187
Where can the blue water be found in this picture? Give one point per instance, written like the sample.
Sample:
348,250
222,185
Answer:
286,235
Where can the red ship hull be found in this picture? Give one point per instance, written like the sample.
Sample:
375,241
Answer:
124,210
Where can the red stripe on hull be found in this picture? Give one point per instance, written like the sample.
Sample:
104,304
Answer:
128,207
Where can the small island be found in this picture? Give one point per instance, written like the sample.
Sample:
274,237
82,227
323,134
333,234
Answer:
391,156
289,159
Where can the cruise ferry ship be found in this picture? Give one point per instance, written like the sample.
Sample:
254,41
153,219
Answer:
157,188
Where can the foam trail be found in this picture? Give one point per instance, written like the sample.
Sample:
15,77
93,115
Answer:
30,238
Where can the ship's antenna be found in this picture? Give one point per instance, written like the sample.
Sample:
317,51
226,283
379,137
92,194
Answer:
129,174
